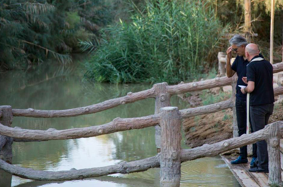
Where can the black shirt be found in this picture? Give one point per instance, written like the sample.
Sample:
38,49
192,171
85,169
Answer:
261,72
239,66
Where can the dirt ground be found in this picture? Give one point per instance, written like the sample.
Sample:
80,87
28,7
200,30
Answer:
215,127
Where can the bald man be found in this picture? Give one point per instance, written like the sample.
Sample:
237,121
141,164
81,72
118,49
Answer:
260,86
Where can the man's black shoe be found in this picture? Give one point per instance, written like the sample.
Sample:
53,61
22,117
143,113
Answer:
257,169
239,160
253,162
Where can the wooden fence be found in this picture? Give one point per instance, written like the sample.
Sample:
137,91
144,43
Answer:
167,121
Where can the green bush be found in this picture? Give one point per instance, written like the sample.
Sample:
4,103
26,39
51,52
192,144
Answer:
168,41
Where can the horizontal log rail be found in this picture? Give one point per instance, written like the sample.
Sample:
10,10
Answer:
122,167
201,85
190,112
209,150
171,154
131,97
118,124
186,113
206,150
278,91
277,67
211,83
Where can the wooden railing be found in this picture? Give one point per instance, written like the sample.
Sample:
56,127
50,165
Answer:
168,134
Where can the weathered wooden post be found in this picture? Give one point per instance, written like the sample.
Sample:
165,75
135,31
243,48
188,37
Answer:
235,123
6,144
273,145
170,160
162,99
279,83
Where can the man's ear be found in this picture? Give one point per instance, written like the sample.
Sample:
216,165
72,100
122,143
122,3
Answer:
247,54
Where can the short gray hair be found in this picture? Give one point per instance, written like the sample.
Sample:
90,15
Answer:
238,40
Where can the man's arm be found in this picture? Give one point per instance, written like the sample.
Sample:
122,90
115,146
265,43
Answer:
229,70
250,88
250,79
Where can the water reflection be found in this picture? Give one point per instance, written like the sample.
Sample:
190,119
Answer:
51,87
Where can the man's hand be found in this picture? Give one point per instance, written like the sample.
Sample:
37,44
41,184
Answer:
243,90
229,70
245,80
229,52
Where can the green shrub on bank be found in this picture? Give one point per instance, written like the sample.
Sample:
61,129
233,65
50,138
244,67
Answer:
167,42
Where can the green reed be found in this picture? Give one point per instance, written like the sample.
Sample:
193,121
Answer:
168,41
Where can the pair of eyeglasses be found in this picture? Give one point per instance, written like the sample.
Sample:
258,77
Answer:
235,50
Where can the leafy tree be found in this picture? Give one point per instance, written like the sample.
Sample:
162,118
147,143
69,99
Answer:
35,30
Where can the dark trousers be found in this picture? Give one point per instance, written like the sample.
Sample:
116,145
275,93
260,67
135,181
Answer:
241,112
259,117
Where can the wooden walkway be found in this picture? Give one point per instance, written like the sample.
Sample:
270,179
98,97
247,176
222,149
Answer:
246,178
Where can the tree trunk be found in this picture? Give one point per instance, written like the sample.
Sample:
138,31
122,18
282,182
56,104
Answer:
248,20
272,30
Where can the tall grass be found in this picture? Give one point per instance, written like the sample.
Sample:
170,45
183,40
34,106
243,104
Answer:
168,41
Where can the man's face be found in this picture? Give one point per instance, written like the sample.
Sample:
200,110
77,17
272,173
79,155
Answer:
240,51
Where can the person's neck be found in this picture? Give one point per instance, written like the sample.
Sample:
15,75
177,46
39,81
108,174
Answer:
251,57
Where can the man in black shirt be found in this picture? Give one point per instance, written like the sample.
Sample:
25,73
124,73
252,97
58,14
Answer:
260,86
238,45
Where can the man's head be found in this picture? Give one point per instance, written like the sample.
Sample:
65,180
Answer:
251,51
238,44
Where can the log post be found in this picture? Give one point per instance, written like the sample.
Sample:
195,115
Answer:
273,146
170,160
280,83
162,99
6,145
235,123
221,63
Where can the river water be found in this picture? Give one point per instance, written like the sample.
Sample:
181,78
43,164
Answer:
56,87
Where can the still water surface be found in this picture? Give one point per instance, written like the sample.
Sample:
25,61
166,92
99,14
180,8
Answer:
60,87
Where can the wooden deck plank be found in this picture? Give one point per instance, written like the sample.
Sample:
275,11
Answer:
244,177
241,173
262,179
